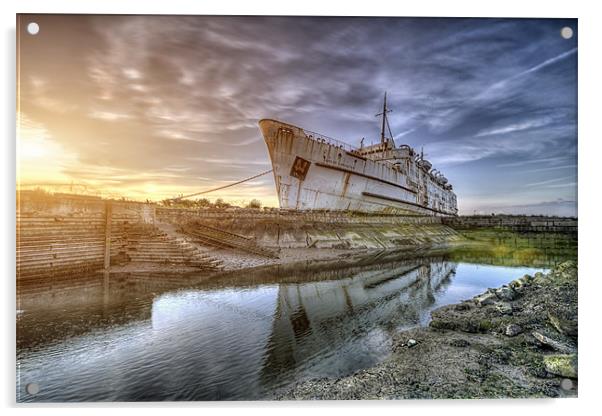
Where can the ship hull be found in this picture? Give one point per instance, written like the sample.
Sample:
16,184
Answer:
313,173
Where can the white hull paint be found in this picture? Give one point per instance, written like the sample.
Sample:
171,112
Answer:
314,172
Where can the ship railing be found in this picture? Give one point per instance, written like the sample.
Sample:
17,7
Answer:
344,146
329,140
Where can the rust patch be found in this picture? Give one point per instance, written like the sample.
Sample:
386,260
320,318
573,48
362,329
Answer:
300,168
346,183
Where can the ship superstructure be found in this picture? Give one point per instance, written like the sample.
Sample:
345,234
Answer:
316,172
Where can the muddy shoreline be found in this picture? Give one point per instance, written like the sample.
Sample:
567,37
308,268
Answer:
519,340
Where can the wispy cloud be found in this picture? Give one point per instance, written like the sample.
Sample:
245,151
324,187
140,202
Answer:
571,166
404,133
535,68
534,161
546,182
526,125
108,115
563,185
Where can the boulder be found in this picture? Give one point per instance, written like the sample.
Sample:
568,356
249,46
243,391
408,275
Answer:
504,308
513,330
412,343
464,306
487,298
566,266
527,279
564,326
505,293
521,283
539,278
556,344
564,365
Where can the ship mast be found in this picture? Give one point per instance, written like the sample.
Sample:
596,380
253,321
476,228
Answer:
384,113
385,122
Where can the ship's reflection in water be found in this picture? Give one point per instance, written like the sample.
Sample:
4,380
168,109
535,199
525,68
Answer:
230,337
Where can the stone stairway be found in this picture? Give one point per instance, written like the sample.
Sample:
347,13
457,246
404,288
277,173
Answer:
148,244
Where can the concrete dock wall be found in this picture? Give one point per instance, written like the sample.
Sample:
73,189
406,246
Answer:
519,223
178,215
65,234
338,229
319,229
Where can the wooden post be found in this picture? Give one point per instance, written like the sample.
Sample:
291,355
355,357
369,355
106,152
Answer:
108,215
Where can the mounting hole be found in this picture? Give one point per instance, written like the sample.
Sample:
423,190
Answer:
33,28
566,32
566,384
32,388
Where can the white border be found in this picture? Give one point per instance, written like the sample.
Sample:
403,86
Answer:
590,73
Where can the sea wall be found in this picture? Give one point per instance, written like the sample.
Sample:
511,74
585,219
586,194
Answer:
519,223
58,235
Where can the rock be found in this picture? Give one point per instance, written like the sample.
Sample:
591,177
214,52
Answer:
539,277
505,293
564,365
567,265
464,306
504,308
519,284
563,326
412,343
526,280
459,343
558,345
513,330
487,298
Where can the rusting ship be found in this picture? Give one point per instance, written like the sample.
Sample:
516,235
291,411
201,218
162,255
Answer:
314,172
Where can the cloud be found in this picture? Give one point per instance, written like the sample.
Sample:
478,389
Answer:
547,182
526,125
534,161
571,166
134,96
535,68
108,115
563,185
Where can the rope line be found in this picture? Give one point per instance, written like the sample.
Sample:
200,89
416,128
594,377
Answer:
222,187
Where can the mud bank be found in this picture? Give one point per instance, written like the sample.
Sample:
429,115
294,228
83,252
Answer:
519,340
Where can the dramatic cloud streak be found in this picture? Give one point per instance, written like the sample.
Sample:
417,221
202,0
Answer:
153,106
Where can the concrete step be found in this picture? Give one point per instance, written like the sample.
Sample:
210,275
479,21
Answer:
164,252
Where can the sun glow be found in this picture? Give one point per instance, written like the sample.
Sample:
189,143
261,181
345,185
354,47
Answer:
42,162
39,157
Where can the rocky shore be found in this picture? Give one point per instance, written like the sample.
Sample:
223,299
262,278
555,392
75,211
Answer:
519,340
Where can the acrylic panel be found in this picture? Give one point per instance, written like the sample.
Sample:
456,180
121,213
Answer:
295,208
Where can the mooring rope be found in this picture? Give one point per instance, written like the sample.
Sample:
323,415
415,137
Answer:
222,187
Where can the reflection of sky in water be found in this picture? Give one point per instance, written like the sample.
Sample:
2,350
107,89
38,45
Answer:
243,342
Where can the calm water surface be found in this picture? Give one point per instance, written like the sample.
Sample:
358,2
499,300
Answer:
236,336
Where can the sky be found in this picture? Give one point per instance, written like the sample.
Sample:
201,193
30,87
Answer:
151,107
